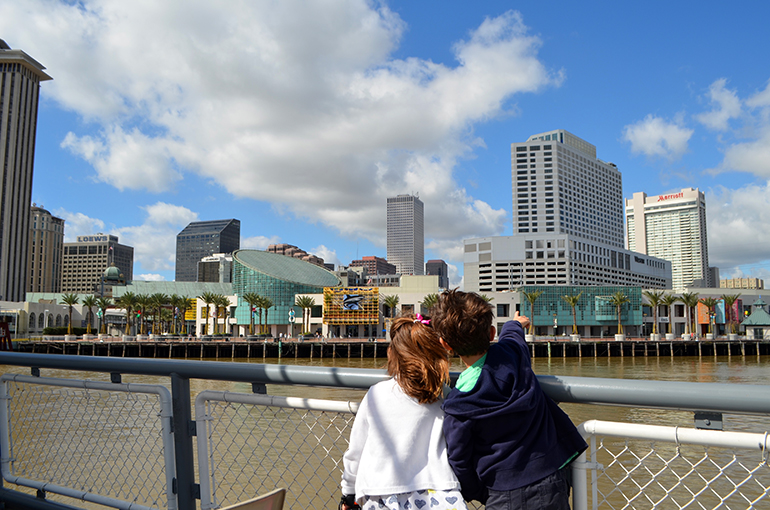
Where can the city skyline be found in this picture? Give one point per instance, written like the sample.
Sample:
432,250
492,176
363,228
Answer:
376,100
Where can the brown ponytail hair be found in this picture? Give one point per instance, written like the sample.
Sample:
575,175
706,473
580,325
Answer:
416,359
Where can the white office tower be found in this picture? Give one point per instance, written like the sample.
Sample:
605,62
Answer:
567,224
406,234
672,227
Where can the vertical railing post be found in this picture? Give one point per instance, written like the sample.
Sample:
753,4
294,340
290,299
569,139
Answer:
183,442
579,483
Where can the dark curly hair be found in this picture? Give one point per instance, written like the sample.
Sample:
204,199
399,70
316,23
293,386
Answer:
463,320
416,359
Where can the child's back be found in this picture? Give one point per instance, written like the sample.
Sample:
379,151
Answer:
397,455
503,433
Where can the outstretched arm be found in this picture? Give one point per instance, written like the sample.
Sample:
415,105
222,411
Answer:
523,320
513,330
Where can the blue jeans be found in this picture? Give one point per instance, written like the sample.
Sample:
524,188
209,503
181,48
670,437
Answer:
550,493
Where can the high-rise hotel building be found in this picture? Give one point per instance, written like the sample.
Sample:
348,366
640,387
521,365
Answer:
567,224
672,227
86,260
406,234
46,243
20,77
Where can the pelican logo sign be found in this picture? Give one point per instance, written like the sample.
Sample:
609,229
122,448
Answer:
669,197
638,260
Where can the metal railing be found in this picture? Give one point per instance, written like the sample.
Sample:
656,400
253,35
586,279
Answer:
647,466
76,452
248,443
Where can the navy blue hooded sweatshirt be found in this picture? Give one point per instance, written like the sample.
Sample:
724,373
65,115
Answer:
506,433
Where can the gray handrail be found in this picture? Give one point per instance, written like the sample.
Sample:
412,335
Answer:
717,397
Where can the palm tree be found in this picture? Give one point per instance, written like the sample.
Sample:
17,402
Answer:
222,302
252,298
103,303
391,302
70,300
429,301
532,297
306,303
572,301
143,301
265,304
208,298
176,301
654,298
89,302
185,304
128,302
730,300
486,298
618,299
709,303
668,301
157,302
690,299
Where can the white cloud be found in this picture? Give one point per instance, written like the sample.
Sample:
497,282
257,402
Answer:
295,103
752,156
78,224
654,136
455,278
258,242
127,160
737,232
164,214
726,106
150,277
761,99
154,241
329,255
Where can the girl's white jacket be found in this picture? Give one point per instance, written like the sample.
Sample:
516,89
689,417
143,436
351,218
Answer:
396,446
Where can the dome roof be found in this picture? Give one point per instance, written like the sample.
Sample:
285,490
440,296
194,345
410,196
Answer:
112,273
286,268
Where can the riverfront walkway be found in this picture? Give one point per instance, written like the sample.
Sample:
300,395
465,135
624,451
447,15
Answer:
239,347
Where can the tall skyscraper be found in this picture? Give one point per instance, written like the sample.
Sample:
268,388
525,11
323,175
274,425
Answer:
672,227
202,239
567,224
20,77
406,234
86,260
46,249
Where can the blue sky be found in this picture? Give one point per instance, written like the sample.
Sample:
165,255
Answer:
300,118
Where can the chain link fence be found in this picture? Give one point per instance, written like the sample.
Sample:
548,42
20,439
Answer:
249,444
103,443
111,444
649,467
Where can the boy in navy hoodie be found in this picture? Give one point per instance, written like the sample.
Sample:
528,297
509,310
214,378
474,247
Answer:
509,444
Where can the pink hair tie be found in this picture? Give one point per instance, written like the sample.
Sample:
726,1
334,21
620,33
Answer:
419,318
